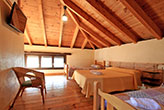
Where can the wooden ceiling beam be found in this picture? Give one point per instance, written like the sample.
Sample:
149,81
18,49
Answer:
77,22
61,27
93,47
73,7
139,13
74,17
84,27
74,36
87,37
91,39
95,35
27,35
42,21
105,13
84,43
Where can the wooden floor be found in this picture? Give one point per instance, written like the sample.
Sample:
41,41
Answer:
61,94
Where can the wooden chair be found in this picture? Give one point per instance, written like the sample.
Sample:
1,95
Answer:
37,80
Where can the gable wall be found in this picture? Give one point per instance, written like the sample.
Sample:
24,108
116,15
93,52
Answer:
149,51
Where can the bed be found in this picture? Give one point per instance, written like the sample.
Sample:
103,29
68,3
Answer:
121,101
70,70
111,79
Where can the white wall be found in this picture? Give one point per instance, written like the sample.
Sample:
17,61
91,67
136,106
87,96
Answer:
79,57
11,42
149,51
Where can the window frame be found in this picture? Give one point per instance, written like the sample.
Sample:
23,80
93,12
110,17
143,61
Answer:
45,54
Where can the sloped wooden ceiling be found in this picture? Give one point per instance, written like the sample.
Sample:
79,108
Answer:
92,24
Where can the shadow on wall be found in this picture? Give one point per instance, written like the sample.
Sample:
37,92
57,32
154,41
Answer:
9,88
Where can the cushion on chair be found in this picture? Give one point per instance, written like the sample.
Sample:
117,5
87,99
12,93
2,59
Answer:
27,83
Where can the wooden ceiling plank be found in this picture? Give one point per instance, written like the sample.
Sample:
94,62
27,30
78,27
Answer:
104,12
61,27
74,36
87,37
84,43
94,35
77,22
90,39
73,7
42,21
93,47
84,27
27,35
139,13
74,17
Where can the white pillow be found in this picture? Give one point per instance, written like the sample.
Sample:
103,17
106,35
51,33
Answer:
144,103
96,66
95,72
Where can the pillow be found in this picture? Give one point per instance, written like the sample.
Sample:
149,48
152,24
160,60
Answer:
96,72
144,103
96,66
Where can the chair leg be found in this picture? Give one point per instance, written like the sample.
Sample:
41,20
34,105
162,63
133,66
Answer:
22,91
45,89
41,90
15,98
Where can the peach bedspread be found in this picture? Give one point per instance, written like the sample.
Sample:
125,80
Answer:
111,80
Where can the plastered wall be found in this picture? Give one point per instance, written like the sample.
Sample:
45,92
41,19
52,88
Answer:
149,51
11,42
80,58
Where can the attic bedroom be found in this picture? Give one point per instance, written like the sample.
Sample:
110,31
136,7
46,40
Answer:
81,54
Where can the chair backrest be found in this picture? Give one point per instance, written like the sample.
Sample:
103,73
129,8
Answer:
9,87
21,72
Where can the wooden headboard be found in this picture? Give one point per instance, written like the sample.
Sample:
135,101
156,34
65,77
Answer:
112,101
66,66
139,66
9,86
102,63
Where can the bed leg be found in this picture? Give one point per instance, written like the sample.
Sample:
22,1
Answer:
109,106
102,104
96,97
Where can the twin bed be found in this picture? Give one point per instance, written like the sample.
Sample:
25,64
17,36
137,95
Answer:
146,99
112,79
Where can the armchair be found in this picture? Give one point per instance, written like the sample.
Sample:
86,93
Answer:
37,80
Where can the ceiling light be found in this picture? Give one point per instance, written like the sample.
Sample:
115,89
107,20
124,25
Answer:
64,17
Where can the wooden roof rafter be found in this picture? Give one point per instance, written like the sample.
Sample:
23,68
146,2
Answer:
74,36
105,13
139,13
86,38
27,35
76,21
26,32
93,41
84,43
92,33
93,47
61,26
43,21
73,7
